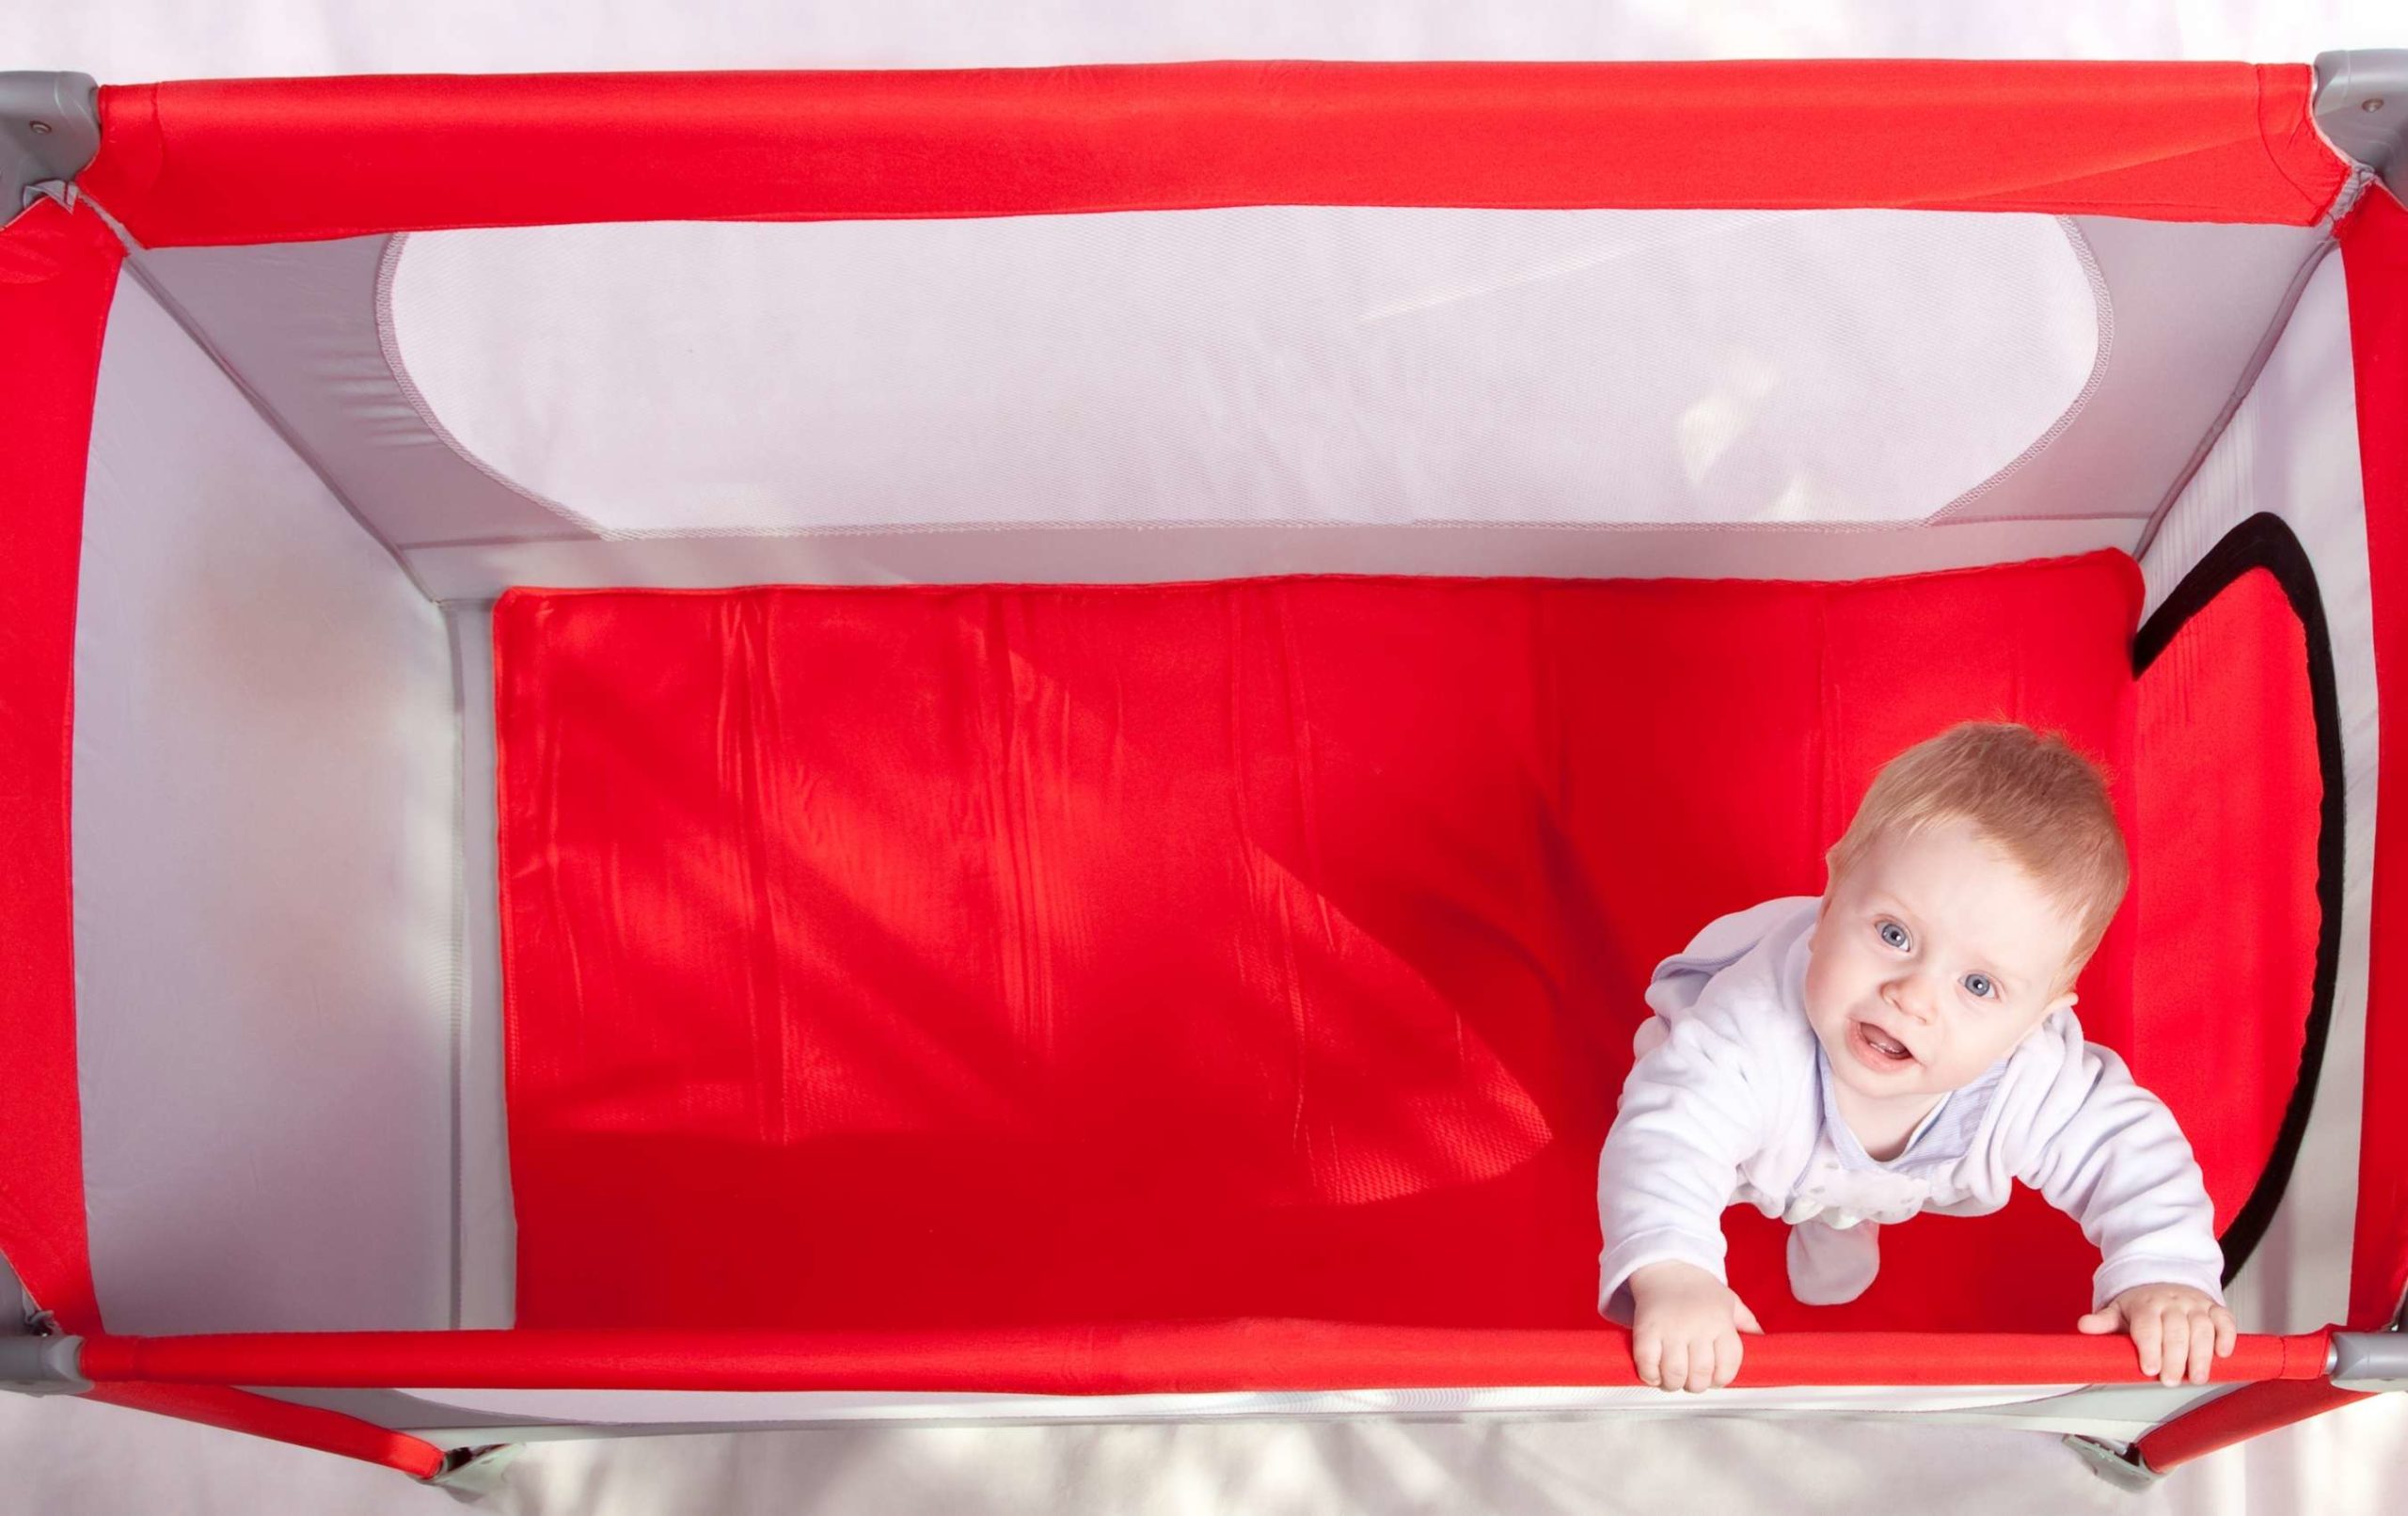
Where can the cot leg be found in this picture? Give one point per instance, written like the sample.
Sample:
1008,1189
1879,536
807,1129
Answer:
2236,1417
2357,1364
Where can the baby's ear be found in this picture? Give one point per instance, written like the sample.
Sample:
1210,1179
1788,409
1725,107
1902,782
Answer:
2061,1002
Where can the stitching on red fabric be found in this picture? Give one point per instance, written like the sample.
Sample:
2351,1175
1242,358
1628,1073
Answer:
2265,139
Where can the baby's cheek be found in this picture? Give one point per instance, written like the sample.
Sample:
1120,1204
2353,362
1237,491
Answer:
1820,991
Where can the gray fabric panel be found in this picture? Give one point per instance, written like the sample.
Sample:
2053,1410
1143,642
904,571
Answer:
614,1410
2194,304
2191,302
486,1282
297,322
263,807
1104,555
404,1412
14,1301
2118,1413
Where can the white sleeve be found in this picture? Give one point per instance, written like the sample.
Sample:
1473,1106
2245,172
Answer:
1690,1116
2108,1153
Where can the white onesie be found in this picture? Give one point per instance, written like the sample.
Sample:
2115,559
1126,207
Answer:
1729,1102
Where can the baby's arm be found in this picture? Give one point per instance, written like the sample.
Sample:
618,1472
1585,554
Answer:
2108,1153
1689,1118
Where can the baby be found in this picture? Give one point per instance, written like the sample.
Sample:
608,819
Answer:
1906,1042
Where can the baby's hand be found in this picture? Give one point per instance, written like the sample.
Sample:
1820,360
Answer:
2172,1325
1685,1327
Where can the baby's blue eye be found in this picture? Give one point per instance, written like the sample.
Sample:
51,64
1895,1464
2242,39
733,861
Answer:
1893,934
1980,987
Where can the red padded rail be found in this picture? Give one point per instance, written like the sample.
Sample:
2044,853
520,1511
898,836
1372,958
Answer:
2374,254
214,162
57,273
1107,1359
2249,1412
210,1401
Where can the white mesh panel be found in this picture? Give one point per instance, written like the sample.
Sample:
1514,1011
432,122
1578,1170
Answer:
1278,364
2292,449
264,810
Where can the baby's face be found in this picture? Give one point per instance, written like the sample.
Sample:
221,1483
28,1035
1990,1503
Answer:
1931,958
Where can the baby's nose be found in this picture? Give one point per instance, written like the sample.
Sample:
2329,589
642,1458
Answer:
1911,996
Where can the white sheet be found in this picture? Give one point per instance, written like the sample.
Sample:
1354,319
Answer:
264,834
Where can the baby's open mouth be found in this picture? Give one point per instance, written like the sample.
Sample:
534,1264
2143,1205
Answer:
1877,1048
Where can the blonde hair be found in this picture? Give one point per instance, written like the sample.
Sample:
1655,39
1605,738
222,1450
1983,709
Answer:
2028,794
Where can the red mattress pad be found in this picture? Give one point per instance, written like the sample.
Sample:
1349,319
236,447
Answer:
933,959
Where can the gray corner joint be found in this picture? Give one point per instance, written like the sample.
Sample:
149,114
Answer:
42,1366
2118,1464
49,128
2362,108
471,1474
2370,1361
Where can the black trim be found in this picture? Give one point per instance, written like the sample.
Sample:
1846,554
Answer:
2264,542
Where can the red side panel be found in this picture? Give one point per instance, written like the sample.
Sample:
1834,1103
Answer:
2374,252
58,273
275,160
2231,784
944,957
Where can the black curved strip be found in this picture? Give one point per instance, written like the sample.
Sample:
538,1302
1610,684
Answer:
2264,542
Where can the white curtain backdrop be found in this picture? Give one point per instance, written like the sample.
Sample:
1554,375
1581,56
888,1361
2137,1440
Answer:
139,40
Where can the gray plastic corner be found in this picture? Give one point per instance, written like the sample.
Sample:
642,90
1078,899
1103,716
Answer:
50,128
2120,1466
2370,1361
42,1366
471,1474
15,1303
2362,108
